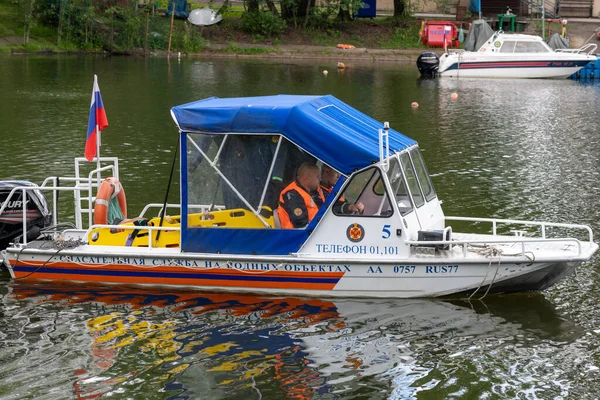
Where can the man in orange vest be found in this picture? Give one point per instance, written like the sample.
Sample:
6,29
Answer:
301,199
329,178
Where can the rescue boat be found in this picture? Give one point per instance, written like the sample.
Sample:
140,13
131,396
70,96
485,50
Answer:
236,154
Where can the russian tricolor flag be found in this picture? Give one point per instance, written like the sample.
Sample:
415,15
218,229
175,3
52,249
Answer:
96,123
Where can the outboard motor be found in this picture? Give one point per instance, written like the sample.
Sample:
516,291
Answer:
11,212
428,63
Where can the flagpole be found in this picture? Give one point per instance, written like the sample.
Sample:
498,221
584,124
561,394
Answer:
96,123
98,165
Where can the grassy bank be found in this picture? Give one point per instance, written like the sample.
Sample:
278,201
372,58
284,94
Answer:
124,31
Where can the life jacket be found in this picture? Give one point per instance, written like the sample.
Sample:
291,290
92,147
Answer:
327,191
311,207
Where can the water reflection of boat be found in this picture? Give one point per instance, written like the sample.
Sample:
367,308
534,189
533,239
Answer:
399,245
194,343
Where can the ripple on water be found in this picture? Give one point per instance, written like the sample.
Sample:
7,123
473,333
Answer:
109,340
515,149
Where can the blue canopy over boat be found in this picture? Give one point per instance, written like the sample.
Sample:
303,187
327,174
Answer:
329,129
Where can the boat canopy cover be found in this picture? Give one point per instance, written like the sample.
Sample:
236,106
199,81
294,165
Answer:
479,33
329,129
557,42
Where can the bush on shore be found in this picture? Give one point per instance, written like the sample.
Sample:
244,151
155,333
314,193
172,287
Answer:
77,25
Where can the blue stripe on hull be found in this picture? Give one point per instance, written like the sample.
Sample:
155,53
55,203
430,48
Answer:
511,64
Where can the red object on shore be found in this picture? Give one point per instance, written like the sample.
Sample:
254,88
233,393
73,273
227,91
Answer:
435,32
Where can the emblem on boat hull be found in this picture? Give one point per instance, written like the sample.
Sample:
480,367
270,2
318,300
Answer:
355,233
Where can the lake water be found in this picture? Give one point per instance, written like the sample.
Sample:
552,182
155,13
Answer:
512,149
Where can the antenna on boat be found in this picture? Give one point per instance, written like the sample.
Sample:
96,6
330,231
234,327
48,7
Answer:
164,208
384,136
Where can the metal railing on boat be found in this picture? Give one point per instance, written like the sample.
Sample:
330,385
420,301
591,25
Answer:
160,206
466,243
588,49
541,225
125,228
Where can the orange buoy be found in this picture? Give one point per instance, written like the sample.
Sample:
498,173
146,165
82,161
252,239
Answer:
109,188
345,46
454,96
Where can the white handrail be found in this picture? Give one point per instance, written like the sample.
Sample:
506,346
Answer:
148,228
202,207
29,189
96,171
51,182
588,49
542,225
384,146
466,243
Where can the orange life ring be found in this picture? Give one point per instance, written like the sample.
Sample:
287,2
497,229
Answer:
345,46
109,188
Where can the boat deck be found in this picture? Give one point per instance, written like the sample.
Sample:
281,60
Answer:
493,246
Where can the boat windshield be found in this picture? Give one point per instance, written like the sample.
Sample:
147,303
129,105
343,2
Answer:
422,174
366,187
245,173
523,46
398,185
417,178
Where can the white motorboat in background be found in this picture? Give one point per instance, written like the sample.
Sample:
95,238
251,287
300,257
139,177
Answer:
515,56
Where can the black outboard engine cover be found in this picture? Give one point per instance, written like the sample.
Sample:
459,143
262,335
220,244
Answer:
11,212
428,63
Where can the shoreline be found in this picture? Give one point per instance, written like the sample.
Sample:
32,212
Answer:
259,51
306,57
310,52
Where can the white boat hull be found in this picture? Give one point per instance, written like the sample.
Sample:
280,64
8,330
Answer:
496,67
513,73
427,277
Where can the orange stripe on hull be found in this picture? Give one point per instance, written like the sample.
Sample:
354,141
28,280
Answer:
176,269
183,282
178,276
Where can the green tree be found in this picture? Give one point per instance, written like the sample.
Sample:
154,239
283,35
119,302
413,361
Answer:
252,6
27,8
86,17
112,13
62,6
400,8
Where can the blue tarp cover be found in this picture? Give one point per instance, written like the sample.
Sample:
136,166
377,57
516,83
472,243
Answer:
475,6
326,127
181,9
